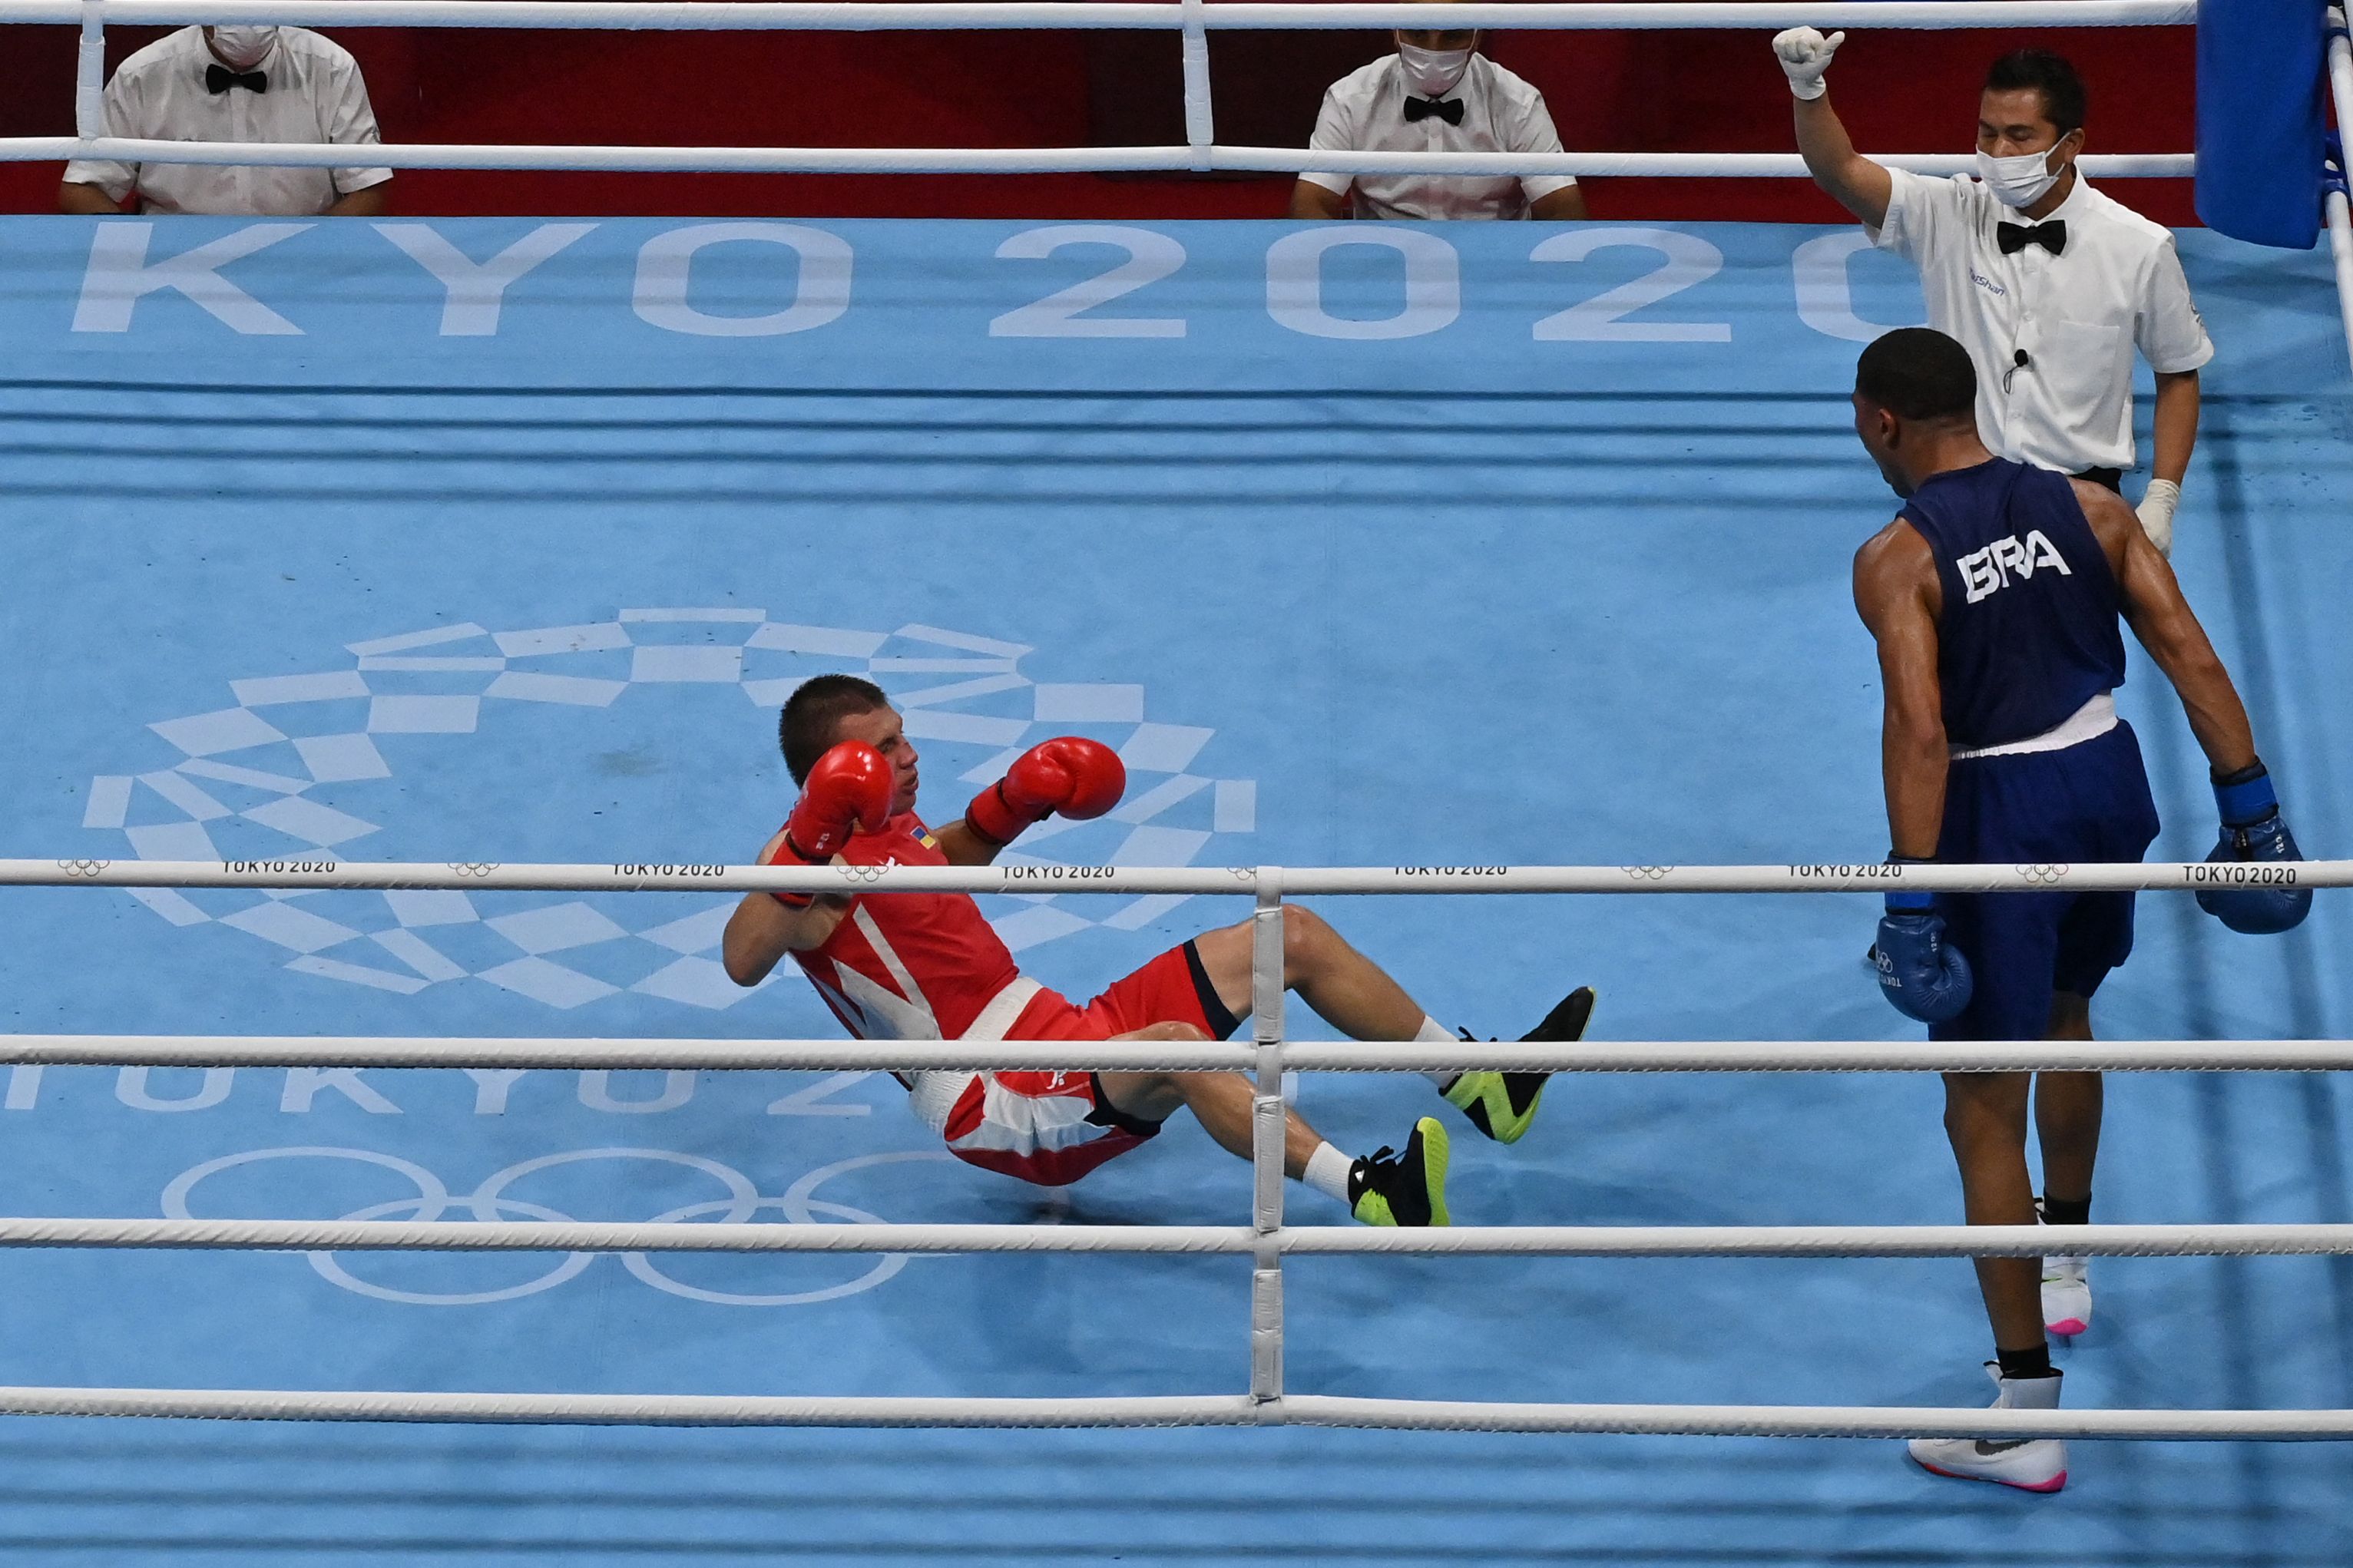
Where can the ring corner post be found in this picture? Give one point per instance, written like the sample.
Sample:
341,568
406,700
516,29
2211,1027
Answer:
2260,81
2335,209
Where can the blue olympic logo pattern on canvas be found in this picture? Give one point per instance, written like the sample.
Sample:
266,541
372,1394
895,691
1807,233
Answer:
289,769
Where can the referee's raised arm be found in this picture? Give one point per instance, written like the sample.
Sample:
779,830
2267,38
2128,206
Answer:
1857,184
2049,284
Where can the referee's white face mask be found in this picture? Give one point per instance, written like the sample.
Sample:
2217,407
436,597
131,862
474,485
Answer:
1434,73
2021,152
240,45
2022,180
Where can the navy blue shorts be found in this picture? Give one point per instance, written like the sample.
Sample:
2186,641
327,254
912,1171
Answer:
2088,803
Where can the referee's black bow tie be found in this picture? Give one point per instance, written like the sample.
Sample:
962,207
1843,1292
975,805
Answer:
1450,109
220,79
2014,237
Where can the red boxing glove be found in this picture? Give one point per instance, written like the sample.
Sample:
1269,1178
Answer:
848,791
1076,777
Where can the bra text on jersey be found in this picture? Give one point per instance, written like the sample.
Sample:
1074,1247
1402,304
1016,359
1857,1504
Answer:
1990,570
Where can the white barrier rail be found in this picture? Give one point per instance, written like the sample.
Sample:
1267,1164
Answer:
913,15
1178,1410
1533,1241
1169,1056
1852,876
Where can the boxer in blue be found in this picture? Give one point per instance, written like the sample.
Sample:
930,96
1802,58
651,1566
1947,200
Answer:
1995,597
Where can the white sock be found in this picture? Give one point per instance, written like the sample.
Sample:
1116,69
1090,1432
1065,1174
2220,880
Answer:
1327,1171
1438,1033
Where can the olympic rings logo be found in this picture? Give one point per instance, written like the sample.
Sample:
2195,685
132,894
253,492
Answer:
1647,873
798,1205
472,868
2046,875
860,873
83,868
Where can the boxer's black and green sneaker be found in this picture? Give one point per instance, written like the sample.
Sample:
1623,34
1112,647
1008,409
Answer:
1403,1189
1504,1104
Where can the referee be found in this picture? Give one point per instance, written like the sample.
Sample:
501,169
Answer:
2047,283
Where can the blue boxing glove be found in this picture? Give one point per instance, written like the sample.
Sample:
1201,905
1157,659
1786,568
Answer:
2254,891
1922,975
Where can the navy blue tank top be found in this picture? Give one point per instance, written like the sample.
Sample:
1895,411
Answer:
2029,632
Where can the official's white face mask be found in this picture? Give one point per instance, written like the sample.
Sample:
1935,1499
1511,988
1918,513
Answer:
2019,182
1433,72
243,45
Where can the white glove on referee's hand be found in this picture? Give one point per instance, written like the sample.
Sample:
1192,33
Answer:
1805,56
2156,510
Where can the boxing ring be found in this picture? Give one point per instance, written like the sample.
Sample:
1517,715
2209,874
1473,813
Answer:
296,1035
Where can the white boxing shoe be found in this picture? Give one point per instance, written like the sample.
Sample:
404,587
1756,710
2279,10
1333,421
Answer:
2030,1464
2066,1296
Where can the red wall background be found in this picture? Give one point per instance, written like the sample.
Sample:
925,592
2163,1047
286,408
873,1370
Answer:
1899,91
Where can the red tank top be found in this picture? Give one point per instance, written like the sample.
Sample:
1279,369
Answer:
908,966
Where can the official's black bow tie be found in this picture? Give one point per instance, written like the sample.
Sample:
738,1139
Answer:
2014,237
220,79
1450,109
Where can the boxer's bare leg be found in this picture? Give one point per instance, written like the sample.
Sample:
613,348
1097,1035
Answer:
2067,1106
1356,997
1220,1101
1985,1117
1409,1189
1347,990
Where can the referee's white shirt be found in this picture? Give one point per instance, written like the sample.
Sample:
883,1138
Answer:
1364,111
2078,316
160,94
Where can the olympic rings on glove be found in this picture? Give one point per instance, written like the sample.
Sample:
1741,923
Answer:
489,1203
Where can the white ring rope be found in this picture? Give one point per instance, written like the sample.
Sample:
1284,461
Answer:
1173,1056
1822,1240
1537,1240
1010,160
912,16
1811,1421
1177,1410
2152,876
1267,1241
1192,19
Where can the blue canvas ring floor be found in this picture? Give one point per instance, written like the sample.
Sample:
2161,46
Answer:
501,540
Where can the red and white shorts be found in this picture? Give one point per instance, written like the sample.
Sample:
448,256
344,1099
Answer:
1051,1128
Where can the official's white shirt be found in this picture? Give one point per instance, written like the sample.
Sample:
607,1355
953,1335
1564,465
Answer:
160,94
2077,316
1364,111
